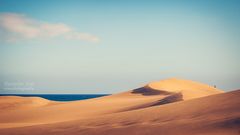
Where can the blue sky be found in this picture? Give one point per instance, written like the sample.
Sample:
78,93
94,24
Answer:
64,46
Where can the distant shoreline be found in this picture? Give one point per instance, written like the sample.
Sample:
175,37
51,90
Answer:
60,97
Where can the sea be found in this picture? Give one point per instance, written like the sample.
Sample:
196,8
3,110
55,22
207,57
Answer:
60,97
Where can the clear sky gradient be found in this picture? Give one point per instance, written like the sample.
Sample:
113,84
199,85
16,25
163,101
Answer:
86,46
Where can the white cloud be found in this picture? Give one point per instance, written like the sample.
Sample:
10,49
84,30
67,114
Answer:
18,26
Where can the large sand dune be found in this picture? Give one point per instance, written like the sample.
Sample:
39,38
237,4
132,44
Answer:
171,106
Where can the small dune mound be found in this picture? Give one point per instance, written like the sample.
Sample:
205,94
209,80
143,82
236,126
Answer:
16,102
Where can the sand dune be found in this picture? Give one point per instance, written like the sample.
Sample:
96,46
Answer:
189,89
152,109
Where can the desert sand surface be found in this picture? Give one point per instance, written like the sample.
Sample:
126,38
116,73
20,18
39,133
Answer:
169,107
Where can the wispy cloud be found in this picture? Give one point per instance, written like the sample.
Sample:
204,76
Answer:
18,26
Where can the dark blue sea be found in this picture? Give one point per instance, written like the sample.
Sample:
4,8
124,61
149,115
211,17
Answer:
60,97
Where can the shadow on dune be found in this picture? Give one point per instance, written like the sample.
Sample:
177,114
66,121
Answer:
230,123
170,99
148,91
